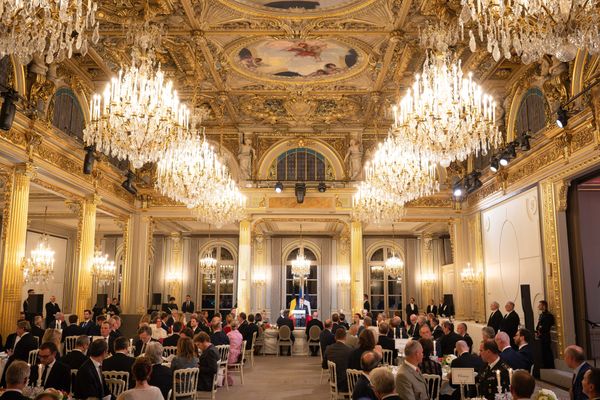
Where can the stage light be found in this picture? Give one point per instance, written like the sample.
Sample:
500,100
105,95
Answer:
278,187
322,187
494,164
128,183
562,118
8,110
473,181
88,161
508,154
300,190
457,189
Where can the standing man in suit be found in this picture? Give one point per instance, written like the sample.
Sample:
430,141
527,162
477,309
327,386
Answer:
76,357
366,304
575,359
326,338
487,380
188,306
51,309
495,319
89,381
591,383
465,359
522,339
208,361
510,323
410,384
542,333
17,375
55,374
29,315
120,360
411,308
339,354
432,308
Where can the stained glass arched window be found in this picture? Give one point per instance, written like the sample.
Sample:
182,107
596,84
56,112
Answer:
67,114
531,115
301,164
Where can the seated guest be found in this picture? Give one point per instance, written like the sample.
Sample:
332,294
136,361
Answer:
410,384
465,359
195,325
385,341
366,342
436,329
362,389
120,360
325,339
72,329
335,319
352,337
115,326
488,333
17,375
461,329
58,323
235,347
105,331
575,359
397,329
227,327
382,382
145,337
522,385
356,319
487,379
591,383
158,331
251,329
414,327
89,381
208,361
87,322
186,356
343,323
36,328
339,354
448,341
187,332
24,342
429,366
94,330
142,370
218,337
114,308
172,339
55,374
508,354
522,339
161,376
76,357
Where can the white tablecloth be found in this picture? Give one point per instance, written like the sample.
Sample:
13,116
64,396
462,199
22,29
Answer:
300,344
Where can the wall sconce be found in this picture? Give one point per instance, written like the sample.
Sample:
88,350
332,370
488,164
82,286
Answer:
173,279
468,276
343,280
428,279
259,279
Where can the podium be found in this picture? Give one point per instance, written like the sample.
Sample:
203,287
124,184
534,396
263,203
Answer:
300,317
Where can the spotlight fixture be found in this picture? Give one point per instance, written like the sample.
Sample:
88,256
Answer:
562,118
457,189
88,161
508,154
128,183
494,164
278,187
322,187
300,190
8,110
524,144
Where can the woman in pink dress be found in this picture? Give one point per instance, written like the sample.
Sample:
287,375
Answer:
235,347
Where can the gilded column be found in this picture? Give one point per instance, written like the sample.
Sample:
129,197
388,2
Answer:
138,265
343,271
244,264
85,251
125,225
175,265
14,234
356,266
259,273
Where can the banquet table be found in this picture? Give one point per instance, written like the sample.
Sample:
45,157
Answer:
300,347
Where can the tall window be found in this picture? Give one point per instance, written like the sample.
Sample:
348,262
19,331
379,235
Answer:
292,284
301,164
385,291
532,114
217,289
68,116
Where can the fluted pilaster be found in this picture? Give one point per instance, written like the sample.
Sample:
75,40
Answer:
356,266
244,264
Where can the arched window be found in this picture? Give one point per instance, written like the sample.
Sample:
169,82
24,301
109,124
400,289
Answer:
292,284
385,291
67,114
301,164
217,289
531,115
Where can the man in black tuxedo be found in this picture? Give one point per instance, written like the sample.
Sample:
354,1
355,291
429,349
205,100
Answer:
575,359
414,327
496,317
385,341
411,308
188,305
461,329
384,384
436,330
51,309
195,324
326,338
510,323
508,354
161,376
339,353
366,304
542,333
174,337
89,381
208,361
87,322
17,375
55,374
145,337
120,361
24,342
36,328
302,307
442,309
244,326
448,341
29,314
369,360
465,359
76,357
72,329
486,380
522,339
432,308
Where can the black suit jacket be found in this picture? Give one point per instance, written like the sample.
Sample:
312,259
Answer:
72,330
219,338
120,362
339,353
94,330
51,310
326,338
432,309
413,331
389,344
187,308
209,366
527,353
248,334
13,395
448,342
437,332
576,391
162,378
513,359
367,305
86,326
10,341
495,320
137,346
74,359
469,340
468,360
362,389
312,322
88,383
411,311
488,383
37,332
510,325
23,347
171,340
58,378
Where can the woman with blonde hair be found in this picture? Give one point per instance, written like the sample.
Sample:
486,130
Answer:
144,321
235,347
227,326
54,336
186,356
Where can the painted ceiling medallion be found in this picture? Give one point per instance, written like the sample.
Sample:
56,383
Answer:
299,8
298,60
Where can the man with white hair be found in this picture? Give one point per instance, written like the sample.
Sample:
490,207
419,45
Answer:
510,323
508,354
382,381
465,359
410,383
496,317
413,330
161,376
17,375
59,322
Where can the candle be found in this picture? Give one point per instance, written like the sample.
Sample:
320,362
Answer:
498,378
40,371
510,372
434,349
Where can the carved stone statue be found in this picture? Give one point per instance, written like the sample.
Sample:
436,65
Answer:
246,156
354,159
556,82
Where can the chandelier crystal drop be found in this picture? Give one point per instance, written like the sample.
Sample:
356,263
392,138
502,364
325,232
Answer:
39,267
376,205
533,28
208,264
222,205
54,29
103,269
394,266
445,116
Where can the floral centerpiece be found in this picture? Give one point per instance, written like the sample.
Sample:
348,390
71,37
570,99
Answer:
447,360
545,394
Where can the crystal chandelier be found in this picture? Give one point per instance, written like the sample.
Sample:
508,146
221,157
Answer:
301,265
51,28
532,29
393,264
222,205
208,264
445,117
103,269
468,276
39,268
428,279
376,205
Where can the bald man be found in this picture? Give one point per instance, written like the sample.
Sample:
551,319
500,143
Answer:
508,354
465,359
575,359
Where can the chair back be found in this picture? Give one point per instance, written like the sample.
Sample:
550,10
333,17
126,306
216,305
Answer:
223,350
314,333
115,386
122,375
352,375
185,382
285,333
37,342
434,384
32,358
70,343
243,353
388,357
253,341
332,379
169,351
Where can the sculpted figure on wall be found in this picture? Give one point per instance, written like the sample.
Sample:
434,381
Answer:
353,159
556,82
246,156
